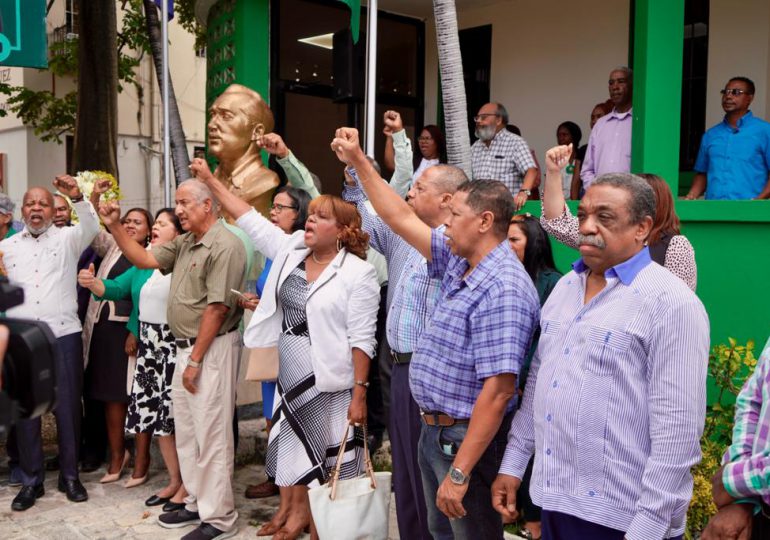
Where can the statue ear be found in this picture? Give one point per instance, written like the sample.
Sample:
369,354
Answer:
259,130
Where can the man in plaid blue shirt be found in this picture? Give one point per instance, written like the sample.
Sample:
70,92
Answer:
463,371
501,155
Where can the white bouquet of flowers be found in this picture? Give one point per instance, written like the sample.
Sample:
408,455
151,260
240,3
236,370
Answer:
86,181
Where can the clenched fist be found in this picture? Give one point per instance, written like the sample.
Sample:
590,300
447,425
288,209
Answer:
346,145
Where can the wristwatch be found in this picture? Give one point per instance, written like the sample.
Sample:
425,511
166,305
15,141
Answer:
193,363
527,192
77,199
456,476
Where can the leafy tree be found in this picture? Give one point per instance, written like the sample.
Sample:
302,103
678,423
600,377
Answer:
53,116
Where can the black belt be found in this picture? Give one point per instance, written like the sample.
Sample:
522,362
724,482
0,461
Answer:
401,358
187,343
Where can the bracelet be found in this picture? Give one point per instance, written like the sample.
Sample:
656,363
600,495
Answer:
77,199
365,384
748,500
193,363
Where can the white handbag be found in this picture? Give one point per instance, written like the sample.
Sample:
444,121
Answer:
355,509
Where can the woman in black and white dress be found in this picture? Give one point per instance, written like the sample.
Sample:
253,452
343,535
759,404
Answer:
319,308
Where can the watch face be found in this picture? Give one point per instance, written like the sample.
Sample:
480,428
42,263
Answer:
456,476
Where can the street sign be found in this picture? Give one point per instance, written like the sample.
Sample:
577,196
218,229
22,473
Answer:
22,33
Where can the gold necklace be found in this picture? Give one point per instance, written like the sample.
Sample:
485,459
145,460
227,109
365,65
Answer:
312,254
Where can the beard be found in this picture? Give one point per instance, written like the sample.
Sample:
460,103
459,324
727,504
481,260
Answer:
485,133
35,231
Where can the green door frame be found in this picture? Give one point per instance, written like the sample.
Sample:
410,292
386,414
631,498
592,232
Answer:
658,49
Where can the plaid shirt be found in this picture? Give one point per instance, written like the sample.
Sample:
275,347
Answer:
412,293
482,326
507,158
747,461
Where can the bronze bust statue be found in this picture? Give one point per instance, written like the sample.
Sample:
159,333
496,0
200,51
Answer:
237,118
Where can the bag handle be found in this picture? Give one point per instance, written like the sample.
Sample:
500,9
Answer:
335,475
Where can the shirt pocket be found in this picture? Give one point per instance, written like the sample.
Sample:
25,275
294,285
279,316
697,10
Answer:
606,350
551,339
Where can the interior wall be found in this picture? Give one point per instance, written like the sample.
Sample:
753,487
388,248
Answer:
738,46
550,60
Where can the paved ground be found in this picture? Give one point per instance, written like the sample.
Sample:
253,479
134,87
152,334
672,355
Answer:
113,511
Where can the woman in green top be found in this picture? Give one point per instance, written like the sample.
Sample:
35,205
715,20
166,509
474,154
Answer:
530,242
149,410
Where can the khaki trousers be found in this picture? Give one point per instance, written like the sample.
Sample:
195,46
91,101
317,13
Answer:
204,431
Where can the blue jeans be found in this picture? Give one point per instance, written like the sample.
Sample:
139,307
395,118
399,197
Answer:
435,458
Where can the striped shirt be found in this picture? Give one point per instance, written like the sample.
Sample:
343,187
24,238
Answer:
747,461
615,400
482,326
507,158
412,293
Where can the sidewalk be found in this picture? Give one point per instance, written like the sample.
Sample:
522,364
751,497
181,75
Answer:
113,511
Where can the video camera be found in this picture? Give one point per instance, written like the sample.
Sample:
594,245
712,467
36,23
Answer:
28,370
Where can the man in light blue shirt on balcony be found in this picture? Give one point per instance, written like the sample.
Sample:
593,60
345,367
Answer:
734,158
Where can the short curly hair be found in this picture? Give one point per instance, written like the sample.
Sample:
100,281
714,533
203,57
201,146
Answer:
351,236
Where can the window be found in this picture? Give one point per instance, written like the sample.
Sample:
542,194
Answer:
71,19
694,71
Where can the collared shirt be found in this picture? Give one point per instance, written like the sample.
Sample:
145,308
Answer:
507,158
615,401
482,326
609,147
412,293
203,273
736,161
747,461
46,268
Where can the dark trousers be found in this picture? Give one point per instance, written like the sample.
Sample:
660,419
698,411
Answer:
523,500
93,430
761,525
404,430
69,388
378,394
558,526
481,520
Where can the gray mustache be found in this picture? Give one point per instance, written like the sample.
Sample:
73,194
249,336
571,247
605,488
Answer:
591,240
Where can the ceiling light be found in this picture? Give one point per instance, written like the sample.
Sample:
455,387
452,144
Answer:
325,41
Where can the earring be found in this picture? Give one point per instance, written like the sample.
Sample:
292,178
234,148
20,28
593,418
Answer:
646,243
339,244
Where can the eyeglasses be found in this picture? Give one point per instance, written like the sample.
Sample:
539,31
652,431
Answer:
483,116
281,207
733,91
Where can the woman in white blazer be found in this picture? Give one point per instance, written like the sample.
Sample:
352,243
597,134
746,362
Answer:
319,309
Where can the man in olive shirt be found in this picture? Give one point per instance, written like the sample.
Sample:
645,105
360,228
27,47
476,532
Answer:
203,315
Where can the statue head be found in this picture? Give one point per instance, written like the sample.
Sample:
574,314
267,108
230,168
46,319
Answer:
238,116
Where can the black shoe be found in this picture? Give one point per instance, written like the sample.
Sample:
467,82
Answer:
26,497
173,507
206,531
180,518
156,501
73,488
52,464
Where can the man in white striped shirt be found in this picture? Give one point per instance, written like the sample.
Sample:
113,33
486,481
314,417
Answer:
615,401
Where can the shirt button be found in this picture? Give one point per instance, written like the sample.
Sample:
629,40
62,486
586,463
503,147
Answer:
547,483
566,351
555,384
579,317
548,418
591,493
548,452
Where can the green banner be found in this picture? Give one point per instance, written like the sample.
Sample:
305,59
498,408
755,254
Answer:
22,34
355,16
